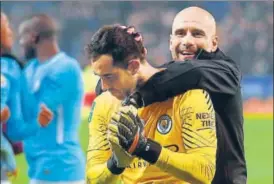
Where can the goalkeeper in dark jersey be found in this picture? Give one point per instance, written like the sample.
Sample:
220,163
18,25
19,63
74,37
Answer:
210,70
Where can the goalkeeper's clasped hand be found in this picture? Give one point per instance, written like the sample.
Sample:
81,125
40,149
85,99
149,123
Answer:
130,129
126,130
120,158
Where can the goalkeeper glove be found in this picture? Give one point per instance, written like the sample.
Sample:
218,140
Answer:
131,134
119,158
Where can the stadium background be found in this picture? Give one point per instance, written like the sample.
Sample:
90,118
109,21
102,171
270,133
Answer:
246,34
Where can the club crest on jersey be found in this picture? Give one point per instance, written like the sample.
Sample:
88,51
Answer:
164,124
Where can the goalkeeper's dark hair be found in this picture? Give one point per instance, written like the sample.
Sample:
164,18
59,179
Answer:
115,41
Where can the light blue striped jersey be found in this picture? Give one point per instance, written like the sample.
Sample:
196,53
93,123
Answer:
54,152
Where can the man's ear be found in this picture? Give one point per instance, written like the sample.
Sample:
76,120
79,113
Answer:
35,37
170,43
134,66
215,41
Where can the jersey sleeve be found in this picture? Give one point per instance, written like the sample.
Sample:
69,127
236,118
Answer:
198,120
17,128
99,150
197,117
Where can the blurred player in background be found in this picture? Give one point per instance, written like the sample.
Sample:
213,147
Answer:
173,146
54,154
8,164
16,128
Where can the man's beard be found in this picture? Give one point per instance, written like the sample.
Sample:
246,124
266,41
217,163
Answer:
178,51
30,53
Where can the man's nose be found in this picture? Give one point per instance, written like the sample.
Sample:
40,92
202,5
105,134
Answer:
21,41
188,40
104,84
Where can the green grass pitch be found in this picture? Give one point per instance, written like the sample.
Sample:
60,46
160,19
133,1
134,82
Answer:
258,146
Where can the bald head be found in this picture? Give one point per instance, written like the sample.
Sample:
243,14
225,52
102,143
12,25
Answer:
193,29
195,15
37,33
41,25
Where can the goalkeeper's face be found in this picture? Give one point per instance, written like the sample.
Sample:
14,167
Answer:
120,82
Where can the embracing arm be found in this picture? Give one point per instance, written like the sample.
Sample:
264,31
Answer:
220,75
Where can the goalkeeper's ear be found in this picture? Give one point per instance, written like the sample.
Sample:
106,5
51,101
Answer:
133,66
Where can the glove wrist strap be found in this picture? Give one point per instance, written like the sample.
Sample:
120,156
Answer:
112,166
150,152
